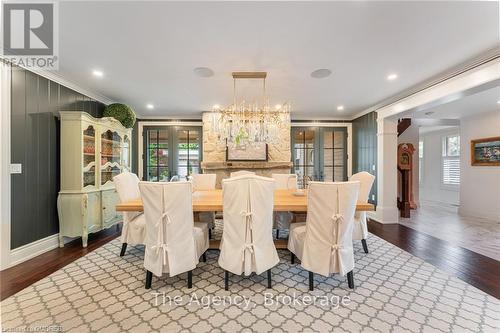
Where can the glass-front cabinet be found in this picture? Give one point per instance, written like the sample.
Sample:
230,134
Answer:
93,151
111,150
126,154
89,143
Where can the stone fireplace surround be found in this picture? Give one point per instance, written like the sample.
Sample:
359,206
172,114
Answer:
214,155
224,169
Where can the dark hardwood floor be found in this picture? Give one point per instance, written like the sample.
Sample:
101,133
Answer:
473,268
15,279
480,271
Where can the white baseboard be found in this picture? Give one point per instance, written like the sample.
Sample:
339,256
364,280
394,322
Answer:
479,214
32,250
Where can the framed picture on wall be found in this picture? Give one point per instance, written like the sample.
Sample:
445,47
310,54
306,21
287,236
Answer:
253,152
485,152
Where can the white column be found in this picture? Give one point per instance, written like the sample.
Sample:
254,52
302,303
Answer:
387,146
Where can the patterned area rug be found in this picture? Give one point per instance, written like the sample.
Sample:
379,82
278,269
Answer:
395,292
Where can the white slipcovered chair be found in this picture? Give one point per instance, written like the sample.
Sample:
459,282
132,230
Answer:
360,231
324,243
241,173
204,182
247,240
174,243
285,181
133,230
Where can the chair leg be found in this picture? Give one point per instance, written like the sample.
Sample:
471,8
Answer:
124,248
190,279
311,281
149,278
226,280
209,233
277,233
292,259
350,279
269,278
365,246
204,256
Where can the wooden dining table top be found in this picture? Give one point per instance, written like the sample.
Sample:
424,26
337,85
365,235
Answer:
211,201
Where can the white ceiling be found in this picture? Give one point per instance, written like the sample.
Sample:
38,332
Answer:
482,102
148,50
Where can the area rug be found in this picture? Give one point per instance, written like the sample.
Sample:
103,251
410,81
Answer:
395,292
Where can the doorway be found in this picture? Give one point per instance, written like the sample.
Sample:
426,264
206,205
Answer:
319,153
170,151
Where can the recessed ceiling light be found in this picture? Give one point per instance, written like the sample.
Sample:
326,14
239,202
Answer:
392,76
498,101
321,73
150,106
97,73
340,108
203,72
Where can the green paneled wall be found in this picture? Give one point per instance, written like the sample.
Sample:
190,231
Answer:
35,102
364,147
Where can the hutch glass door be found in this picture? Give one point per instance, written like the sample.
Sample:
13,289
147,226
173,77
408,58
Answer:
89,156
110,156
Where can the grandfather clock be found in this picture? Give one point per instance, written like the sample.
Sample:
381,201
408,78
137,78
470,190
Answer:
405,183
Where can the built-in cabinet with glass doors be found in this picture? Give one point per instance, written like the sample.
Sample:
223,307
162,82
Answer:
319,153
170,151
93,151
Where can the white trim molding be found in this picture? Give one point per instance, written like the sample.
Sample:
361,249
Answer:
53,76
31,250
472,81
5,193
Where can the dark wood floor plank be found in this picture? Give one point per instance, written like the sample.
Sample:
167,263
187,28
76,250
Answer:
15,279
473,268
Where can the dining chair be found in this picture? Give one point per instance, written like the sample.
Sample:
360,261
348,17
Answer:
174,243
133,230
241,173
286,181
360,231
247,241
203,182
324,243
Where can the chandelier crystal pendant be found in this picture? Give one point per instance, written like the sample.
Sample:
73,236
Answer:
243,123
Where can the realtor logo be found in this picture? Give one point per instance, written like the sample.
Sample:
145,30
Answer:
29,34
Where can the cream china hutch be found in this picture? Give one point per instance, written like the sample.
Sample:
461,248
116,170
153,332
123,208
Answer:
93,151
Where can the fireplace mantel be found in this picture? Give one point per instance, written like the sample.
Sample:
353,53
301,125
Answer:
245,165
223,170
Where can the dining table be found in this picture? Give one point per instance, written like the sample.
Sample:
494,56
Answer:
211,201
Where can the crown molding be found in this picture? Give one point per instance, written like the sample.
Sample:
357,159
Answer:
51,75
481,59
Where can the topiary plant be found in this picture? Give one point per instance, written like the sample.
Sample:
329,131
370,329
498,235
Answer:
121,112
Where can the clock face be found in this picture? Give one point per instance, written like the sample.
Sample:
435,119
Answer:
405,159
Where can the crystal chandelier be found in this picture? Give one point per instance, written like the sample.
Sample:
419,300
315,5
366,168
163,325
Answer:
244,123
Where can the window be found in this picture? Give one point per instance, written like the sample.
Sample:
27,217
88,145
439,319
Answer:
420,160
451,160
